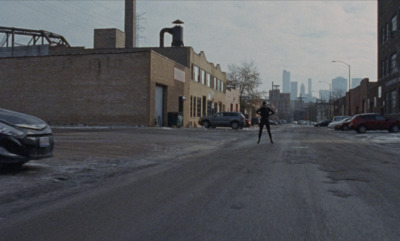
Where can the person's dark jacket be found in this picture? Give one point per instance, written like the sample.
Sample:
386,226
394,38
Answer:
265,113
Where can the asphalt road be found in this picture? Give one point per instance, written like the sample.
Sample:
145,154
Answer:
311,184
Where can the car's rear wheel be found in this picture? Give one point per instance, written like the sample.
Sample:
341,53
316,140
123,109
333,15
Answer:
206,124
362,129
235,125
394,128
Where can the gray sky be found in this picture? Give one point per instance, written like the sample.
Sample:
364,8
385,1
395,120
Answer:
302,37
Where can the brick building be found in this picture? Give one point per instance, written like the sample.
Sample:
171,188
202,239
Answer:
232,99
110,84
92,88
281,103
363,98
388,57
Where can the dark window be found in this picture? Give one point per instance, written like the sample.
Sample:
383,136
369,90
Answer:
379,117
394,23
198,107
393,63
209,108
368,117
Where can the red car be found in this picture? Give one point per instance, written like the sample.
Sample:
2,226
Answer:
363,122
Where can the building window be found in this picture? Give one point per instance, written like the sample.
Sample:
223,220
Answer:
191,106
394,24
383,35
393,63
383,69
198,107
215,83
393,102
222,86
203,77
380,92
218,84
386,66
196,73
387,31
208,80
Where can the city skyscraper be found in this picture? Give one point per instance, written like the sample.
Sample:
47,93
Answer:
285,81
293,90
309,92
302,90
339,87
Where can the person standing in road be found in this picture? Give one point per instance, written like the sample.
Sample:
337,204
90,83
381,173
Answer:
265,112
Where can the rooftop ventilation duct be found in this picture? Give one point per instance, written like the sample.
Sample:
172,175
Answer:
176,32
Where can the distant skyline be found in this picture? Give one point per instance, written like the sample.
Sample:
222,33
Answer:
302,37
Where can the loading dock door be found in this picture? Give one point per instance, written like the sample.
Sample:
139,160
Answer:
159,110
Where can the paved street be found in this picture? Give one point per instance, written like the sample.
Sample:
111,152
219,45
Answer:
312,184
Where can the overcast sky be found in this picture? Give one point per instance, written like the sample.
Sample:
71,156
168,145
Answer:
302,37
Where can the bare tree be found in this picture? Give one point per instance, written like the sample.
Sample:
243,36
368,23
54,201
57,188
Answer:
337,94
246,78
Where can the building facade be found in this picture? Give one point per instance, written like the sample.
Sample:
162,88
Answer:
95,88
208,82
388,57
232,99
281,104
111,84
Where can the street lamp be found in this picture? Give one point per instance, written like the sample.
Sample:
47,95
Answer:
337,61
330,97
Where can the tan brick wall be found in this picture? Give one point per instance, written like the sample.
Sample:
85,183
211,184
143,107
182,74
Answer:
79,89
162,73
91,89
197,89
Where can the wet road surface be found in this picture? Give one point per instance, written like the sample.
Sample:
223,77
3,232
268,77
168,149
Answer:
311,184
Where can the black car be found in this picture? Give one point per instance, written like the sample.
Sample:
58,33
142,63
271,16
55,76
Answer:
323,123
23,137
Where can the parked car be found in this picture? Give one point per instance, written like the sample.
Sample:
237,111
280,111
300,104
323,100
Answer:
273,123
255,121
247,122
363,122
23,137
322,123
337,120
235,120
343,125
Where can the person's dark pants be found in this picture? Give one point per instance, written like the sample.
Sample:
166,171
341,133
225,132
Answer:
266,123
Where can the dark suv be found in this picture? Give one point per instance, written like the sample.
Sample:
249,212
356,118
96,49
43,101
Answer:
235,120
363,122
